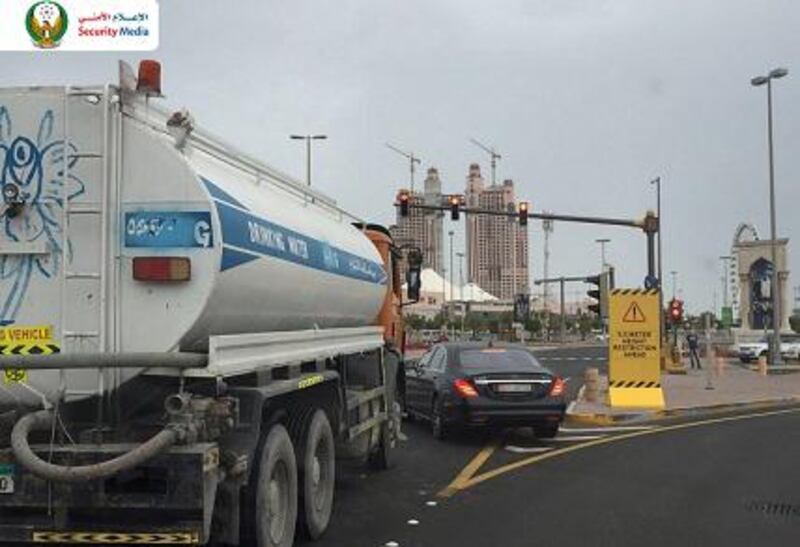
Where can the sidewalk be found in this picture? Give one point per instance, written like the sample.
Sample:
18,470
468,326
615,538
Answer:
731,385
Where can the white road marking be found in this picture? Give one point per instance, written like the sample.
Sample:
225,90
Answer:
588,358
572,438
413,522
570,358
609,429
431,503
528,449
570,408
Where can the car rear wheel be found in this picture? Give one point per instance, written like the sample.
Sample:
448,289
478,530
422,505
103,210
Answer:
547,431
438,426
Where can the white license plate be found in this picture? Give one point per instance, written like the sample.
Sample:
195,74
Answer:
6,479
514,388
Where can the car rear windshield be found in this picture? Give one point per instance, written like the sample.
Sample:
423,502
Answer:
497,359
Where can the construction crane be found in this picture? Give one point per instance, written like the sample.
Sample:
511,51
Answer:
492,152
412,159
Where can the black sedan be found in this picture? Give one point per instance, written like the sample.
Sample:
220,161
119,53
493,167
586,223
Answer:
479,384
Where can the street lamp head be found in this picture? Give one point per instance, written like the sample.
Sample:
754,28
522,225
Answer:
778,73
320,137
759,80
297,137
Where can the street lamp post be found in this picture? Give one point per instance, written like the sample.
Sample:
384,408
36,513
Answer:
657,182
674,275
461,289
602,243
775,353
725,270
308,139
450,233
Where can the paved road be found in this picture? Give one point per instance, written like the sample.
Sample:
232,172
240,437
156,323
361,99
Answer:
570,362
732,481
426,466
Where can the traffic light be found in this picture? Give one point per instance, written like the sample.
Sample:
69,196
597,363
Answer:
675,311
403,199
455,203
521,308
523,213
600,294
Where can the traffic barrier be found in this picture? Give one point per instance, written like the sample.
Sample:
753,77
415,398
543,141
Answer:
762,365
591,379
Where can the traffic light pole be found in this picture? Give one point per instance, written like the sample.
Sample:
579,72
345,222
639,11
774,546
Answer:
649,224
561,281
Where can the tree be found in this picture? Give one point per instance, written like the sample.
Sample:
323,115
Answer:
794,322
584,325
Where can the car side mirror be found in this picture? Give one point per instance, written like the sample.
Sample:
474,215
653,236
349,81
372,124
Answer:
414,275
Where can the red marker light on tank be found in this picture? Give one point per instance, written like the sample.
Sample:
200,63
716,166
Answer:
465,389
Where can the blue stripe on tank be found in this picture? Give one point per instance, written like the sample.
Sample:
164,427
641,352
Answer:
247,237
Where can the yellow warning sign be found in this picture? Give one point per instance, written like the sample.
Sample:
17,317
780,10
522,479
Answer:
25,340
634,314
634,376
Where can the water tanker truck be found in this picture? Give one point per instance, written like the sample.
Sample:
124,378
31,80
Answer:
188,337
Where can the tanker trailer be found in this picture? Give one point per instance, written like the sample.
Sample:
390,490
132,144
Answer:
188,337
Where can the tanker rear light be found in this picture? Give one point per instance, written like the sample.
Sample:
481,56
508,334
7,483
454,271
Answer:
162,268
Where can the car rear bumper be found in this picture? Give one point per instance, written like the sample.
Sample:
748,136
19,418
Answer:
485,412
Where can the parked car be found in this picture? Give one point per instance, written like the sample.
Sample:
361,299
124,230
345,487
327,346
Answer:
478,384
790,348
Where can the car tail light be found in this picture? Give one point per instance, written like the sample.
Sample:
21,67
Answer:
162,268
465,389
557,387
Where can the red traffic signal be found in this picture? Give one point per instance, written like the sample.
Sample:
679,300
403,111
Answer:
403,200
455,203
676,310
523,213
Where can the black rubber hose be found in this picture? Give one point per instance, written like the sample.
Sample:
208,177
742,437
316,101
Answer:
43,421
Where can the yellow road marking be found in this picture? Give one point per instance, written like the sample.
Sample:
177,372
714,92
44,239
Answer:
459,483
465,479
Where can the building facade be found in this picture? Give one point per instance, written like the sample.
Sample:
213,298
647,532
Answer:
497,247
754,260
423,229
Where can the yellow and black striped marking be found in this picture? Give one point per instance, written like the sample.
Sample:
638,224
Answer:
36,348
633,291
633,383
118,538
15,376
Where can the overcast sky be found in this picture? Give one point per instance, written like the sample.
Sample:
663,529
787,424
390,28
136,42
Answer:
587,101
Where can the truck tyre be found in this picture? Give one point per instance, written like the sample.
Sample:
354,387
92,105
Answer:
382,458
275,507
318,475
438,426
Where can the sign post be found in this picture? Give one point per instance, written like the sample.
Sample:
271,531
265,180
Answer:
634,378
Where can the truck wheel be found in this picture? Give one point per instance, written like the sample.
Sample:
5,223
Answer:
438,425
319,475
382,458
276,491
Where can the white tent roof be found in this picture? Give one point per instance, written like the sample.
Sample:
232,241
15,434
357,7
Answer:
432,282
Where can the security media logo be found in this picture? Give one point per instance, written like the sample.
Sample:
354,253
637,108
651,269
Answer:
47,24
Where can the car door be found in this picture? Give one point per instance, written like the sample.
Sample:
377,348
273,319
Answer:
429,377
414,382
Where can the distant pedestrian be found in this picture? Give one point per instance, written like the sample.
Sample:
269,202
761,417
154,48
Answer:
694,345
